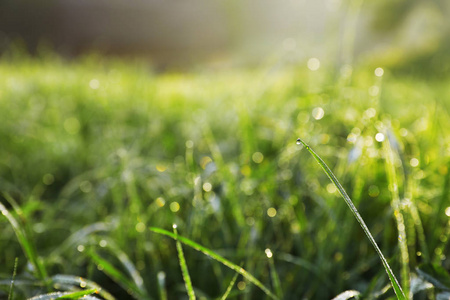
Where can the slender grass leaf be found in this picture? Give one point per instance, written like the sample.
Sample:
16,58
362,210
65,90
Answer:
162,285
419,284
230,286
274,275
395,285
79,294
26,244
398,214
11,288
306,265
129,266
77,281
81,235
436,275
347,295
67,295
116,275
184,268
443,296
217,257
21,282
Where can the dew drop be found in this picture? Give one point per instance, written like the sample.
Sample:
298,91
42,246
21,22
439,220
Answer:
299,141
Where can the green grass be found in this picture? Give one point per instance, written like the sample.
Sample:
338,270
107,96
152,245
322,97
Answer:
395,285
94,152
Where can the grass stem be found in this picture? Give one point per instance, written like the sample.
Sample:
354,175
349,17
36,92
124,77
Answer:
397,288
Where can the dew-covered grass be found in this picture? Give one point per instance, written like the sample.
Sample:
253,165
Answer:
99,158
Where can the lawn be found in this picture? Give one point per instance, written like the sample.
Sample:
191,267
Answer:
100,158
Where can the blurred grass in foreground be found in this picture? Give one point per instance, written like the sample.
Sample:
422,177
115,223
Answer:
94,152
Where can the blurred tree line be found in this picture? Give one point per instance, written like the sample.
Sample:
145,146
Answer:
411,36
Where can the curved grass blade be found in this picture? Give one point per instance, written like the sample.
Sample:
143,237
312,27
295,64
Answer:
79,294
217,257
81,235
184,268
129,266
26,244
395,285
347,295
436,275
67,295
116,275
77,281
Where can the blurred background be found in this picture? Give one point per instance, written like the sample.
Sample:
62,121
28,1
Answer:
411,35
117,116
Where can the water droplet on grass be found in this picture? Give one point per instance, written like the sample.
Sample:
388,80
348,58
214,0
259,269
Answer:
299,141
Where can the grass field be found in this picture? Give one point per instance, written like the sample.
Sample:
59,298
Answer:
100,158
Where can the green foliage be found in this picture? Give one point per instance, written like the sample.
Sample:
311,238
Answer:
213,255
94,153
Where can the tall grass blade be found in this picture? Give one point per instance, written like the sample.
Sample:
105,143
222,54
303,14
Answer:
26,244
77,281
439,245
398,215
274,275
11,288
79,294
230,286
227,176
435,274
116,275
184,268
67,295
217,257
395,285
129,266
162,285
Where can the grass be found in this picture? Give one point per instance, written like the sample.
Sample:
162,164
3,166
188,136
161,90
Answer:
98,158
395,285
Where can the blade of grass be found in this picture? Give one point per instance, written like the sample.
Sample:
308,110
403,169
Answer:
274,275
398,214
410,183
439,245
77,281
81,235
226,174
184,268
347,295
230,286
11,289
162,285
116,275
217,257
79,294
26,244
129,266
67,295
397,288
